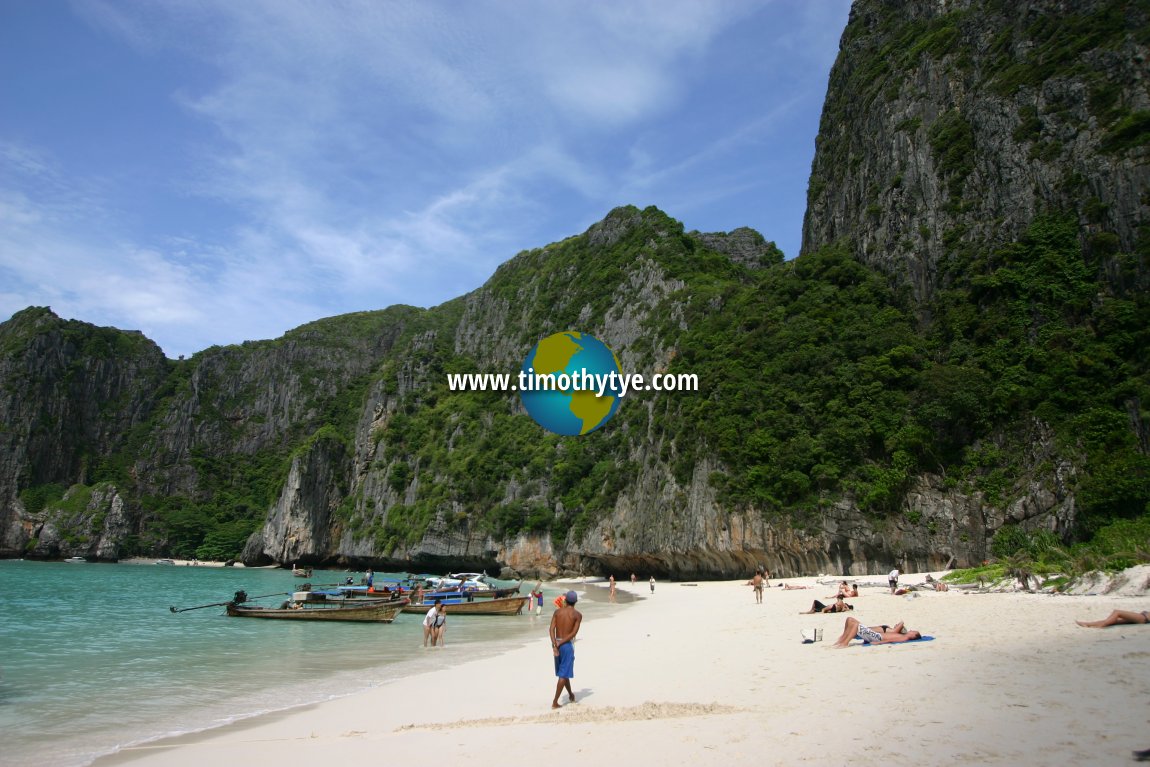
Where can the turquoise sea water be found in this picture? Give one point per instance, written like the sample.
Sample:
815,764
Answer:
92,659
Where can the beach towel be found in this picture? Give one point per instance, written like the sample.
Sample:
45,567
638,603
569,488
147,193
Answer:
924,638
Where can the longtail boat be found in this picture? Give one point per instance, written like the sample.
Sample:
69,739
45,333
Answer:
503,606
360,593
469,594
351,610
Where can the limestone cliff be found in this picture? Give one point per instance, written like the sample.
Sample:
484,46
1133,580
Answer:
189,445
991,156
951,124
71,395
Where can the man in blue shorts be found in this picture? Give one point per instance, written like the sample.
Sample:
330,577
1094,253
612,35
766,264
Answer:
564,626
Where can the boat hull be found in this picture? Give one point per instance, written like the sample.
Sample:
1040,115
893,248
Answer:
474,594
504,606
364,612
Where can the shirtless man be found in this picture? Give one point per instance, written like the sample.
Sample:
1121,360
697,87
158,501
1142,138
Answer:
564,626
874,634
757,582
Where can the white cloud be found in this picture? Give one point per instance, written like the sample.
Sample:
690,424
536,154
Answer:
370,152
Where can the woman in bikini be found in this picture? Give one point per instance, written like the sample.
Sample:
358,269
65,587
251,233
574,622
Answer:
875,634
1116,618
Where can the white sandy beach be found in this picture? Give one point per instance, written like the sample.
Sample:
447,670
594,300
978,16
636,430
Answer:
701,675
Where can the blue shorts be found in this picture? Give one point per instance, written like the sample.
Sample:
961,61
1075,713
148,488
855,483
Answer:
565,661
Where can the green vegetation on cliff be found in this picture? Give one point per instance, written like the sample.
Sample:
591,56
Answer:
819,382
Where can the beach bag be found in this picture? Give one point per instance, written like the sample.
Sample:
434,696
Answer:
810,636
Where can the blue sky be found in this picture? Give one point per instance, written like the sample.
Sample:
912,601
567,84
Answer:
214,171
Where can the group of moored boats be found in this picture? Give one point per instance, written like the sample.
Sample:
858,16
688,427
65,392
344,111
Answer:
347,602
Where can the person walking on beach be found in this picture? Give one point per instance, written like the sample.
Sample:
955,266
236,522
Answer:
564,626
612,588
892,580
757,582
652,584
632,579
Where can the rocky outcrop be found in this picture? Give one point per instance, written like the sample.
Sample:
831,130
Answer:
744,246
70,395
87,522
952,124
301,525
82,404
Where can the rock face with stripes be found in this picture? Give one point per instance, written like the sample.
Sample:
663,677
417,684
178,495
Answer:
950,125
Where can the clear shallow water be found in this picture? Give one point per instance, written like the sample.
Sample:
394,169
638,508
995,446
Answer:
92,659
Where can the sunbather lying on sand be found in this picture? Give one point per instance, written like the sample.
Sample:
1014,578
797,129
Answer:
875,634
1116,618
839,606
936,585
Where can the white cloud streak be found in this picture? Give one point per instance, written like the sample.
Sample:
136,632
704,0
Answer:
373,152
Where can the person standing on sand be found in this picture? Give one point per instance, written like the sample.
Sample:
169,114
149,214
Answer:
892,580
564,626
652,584
757,582
612,588
632,579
